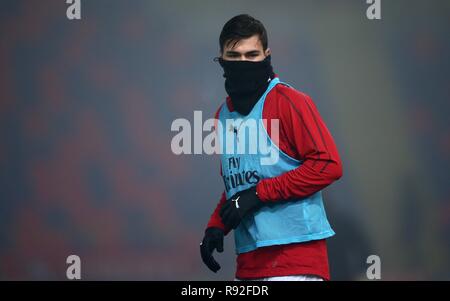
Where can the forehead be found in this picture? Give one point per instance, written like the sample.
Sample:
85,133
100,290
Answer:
245,45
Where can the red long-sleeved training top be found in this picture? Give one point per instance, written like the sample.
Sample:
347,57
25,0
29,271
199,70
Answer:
304,136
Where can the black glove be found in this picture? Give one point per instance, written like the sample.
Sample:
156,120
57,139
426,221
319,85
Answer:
242,203
213,239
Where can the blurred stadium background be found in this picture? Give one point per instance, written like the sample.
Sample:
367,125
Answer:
86,108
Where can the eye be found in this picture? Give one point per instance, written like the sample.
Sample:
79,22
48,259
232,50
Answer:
252,55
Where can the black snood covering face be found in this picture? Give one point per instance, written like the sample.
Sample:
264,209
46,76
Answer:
246,82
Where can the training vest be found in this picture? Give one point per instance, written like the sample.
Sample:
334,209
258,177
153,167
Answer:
248,155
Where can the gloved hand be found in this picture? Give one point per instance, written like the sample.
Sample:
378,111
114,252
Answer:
242,203
213,239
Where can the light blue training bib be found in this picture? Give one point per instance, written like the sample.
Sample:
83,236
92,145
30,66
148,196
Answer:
248,155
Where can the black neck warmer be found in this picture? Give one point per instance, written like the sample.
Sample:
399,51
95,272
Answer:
246,82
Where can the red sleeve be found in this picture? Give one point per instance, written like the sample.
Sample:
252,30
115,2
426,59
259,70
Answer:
304,136
215,220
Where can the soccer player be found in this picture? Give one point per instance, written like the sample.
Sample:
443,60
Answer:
274,207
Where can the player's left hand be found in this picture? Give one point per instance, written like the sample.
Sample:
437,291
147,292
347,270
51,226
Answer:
238,206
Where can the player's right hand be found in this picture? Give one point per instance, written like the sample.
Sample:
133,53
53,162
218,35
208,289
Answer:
213,239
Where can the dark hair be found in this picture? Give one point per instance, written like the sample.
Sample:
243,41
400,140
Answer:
242,27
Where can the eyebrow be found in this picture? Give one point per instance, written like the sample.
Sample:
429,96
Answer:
231,52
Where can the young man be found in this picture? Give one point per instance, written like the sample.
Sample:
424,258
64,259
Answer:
275,207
